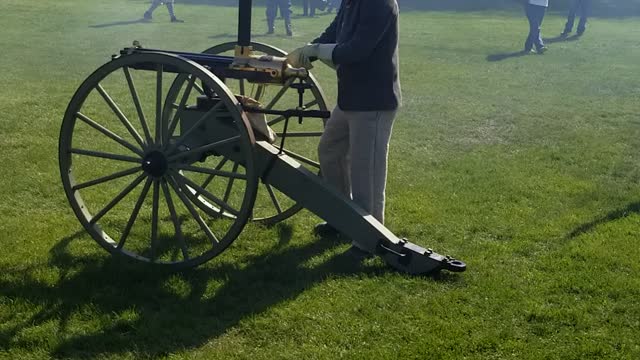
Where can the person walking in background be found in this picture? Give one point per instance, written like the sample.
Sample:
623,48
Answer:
155,3
578,7
272,13
535,10
362,45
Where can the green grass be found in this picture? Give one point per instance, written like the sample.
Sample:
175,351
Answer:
524,168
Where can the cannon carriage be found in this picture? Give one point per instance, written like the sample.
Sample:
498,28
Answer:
165,156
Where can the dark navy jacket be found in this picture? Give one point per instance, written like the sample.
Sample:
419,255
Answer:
366,55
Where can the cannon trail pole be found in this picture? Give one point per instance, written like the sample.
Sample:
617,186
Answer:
309,190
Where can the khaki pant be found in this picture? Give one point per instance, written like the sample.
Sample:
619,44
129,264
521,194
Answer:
353,154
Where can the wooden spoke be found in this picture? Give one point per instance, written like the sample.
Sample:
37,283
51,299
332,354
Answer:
180,192
117,199
280,93
180,108
154,219
136,101
175,220
104,155
104,179
199,88
218,167
185,181
123,119
108,133
159,120
227,192
134,214
272,195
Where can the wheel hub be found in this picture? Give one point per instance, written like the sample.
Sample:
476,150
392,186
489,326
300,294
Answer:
155,164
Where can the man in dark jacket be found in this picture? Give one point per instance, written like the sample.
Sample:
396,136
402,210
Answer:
362,44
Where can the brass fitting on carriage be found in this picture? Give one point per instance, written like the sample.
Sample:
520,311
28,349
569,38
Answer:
278,68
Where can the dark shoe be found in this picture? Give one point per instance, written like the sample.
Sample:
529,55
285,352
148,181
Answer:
270,32
289,33
358,254
147,16
580,32
176,20
564,34
325,230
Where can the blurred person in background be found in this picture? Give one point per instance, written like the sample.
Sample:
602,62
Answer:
309,7
578,7
155,3
535,10
285,13
333,4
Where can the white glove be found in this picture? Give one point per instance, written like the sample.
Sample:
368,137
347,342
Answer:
301,57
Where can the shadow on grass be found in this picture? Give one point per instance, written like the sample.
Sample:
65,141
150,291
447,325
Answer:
120,23
105,306
225,35
633,208
559,38
505,56
508,55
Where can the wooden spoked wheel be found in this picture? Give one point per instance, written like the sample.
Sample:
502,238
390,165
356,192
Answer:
301,143
128,169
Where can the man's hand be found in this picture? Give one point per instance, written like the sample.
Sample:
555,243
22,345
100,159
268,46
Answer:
301,57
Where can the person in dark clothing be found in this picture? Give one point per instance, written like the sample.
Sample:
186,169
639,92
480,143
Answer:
285,12
155,3
535,10
309,7
333,4
578,7
362,45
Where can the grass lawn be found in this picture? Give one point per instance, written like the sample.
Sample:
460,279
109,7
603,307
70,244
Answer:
526,168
